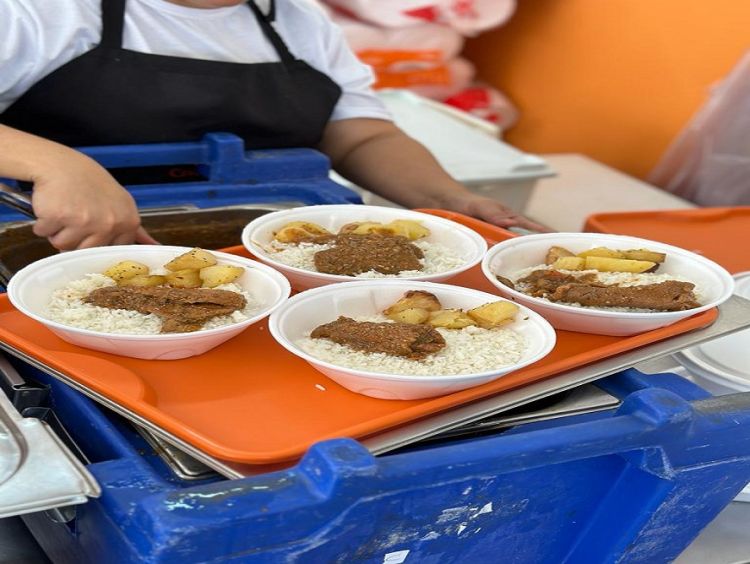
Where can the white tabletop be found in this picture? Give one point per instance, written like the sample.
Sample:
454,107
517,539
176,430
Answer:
584,186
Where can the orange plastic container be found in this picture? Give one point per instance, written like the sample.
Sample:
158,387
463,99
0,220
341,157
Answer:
250,401
716,233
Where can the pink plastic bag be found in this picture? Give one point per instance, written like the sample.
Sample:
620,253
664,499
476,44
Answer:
709,161
467,16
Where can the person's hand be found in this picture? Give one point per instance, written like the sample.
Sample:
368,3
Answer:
494,212
78,205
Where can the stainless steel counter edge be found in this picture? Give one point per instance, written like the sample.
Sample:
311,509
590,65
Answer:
57,476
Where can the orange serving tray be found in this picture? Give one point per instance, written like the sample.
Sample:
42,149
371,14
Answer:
251,401
716,233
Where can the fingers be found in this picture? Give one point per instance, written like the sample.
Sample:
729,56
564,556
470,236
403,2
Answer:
526,223
142,237
497,214
46,227
70,237
80,205
124,239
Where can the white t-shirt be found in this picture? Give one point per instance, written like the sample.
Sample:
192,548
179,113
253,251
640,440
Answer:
39,36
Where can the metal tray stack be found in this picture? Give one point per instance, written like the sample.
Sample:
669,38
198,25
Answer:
37,471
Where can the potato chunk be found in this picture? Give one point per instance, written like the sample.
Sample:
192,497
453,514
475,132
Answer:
297,231
604,264
643,254
186,278
367,227
602,252
412,316
569,263
493,314
450,319
415,299
193,259
408,228
555,253
142,280
125,269
213,276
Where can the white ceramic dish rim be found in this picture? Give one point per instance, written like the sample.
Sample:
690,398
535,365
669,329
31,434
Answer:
277,277
692,358
310,294
255,248
719,270
695,364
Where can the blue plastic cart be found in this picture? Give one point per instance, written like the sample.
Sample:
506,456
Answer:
635,484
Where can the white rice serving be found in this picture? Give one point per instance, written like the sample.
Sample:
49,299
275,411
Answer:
468,351
68,308
437,258
622,279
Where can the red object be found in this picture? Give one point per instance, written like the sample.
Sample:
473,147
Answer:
251,401
475,101
428,13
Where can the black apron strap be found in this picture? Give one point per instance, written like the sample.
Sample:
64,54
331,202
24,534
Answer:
271,15
265,24
113,18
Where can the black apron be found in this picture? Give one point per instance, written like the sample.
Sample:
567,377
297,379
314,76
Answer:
112,96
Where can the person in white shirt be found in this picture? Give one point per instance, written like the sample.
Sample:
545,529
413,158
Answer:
99,72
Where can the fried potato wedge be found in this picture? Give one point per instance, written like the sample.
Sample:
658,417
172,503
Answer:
186,278
213,276
415,299
556,253
412,316
367,227
408,228
450,319
604,264
297,231
126,269
602,252
143,280
195,259
569,263
644,254
493,314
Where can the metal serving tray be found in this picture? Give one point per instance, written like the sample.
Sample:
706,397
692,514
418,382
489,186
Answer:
731,316
575,360
734,315
584,399
37,471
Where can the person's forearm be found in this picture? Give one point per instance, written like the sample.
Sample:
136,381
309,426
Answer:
400,169
77,203
24,156
378,156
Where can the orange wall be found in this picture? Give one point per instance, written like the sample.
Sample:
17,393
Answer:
613,79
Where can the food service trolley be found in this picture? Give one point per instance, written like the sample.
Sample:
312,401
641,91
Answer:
630,483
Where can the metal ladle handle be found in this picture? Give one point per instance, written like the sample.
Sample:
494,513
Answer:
16,200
